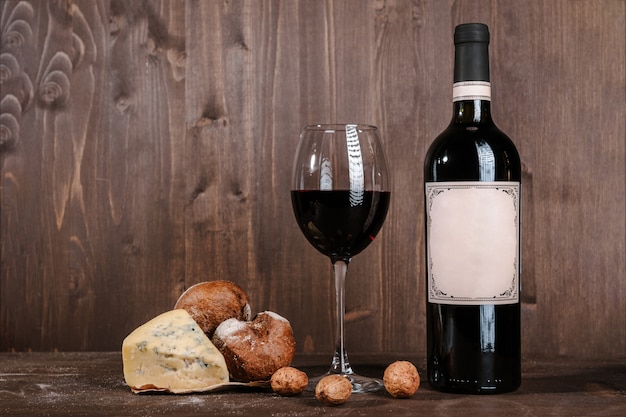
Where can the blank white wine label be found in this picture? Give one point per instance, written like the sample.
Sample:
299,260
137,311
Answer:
473,251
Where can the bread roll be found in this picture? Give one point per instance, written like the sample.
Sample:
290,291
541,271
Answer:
255,349
212,302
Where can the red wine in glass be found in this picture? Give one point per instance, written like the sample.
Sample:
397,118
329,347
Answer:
334,224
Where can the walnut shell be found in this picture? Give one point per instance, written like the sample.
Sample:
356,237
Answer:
212,302
255,349
333,390
288,381
401,379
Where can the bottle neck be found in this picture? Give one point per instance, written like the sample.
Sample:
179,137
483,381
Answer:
471,112
471,102
471,92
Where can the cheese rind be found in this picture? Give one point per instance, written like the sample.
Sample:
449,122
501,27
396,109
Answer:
171,352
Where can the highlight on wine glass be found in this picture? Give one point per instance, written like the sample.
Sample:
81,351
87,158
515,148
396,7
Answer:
340,195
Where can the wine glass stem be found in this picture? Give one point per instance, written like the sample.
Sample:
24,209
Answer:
340,364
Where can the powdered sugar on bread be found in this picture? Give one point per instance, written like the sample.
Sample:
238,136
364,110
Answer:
275,315
228,329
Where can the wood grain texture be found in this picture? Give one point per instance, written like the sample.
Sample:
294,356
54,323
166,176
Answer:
147,146
69,384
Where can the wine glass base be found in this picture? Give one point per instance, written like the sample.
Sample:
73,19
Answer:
360,384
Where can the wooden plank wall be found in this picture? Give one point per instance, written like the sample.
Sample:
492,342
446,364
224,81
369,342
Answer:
147,145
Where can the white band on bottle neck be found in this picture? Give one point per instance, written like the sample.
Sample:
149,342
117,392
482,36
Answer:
471,90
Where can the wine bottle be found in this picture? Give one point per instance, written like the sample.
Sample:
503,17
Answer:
472,179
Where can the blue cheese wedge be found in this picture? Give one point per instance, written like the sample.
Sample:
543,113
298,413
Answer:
171,353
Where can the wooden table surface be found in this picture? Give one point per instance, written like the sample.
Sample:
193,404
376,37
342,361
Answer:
92,384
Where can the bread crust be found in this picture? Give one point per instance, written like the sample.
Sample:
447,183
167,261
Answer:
254,350
212,302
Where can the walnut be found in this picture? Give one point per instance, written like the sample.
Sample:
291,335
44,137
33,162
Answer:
401,379
289,381
333,390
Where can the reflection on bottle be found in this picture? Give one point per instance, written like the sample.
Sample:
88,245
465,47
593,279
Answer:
487,328
486,161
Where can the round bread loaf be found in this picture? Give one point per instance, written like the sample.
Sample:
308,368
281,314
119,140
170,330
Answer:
255,349
212,302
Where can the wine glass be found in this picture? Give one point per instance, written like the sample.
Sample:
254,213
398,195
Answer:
340,195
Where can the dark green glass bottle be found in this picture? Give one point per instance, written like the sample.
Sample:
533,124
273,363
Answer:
472,177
